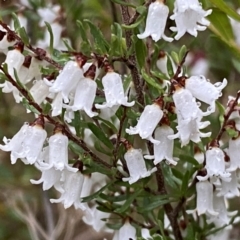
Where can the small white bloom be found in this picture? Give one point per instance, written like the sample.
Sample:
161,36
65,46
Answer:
150,117
205,198
204,90
48,14
127,231
156,22
136,165
114,92
234,153
27,143
163,150
39,91
57,104
189,17
84,96
72,185
215,164
67,80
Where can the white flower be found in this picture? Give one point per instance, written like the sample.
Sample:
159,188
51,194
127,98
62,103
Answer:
39,91
72,185
136,165
189,17
84,96
48,14
67,80
58,152
205,198
215,164
114,92
186,105
156,22
57,104
150,117
50,177
163,150
234,153
190,131
204,90
127,231
27,143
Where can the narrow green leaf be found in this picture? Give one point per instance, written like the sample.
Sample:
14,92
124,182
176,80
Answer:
100,43
175,57
150,80
23,34
154,203
139,20
223,6
221,23
128,202
49,28
29,107
185,182
169,66
182,52
46,108
109,124
16,22
100,135
141,52
189,159
96,194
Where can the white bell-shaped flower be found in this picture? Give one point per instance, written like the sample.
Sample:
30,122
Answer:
163,150
114,92
205,198
189,17
190,130
27,143
136,165
215,164
48,14
57,104
39,91
72,185
84,96
150,117
67,80
234,153
58,152
229,189
156,21
94,219
7,87
204,90
186,105
50,177
223,217
127,231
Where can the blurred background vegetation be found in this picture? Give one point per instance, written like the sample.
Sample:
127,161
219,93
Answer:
24,208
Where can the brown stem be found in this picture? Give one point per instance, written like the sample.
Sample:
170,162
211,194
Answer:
51,120
39,52
133,68
168,207
226,118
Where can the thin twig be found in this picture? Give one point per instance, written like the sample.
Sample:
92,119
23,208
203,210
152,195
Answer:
168,207
133,69
38,51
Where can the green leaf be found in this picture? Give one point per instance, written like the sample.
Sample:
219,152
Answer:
100,43
16,22
189,159
150,80
175,57
154,203
221,23
100,135
96,194
141,52
185,182
128,202
49,28
223,6
23,34
46,108
182,52
109,124
139,20
169,66
29,106
231,132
